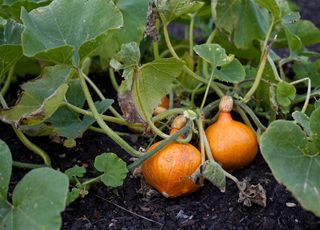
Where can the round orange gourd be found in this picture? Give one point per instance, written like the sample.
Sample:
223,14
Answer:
164,103
169,169
233,144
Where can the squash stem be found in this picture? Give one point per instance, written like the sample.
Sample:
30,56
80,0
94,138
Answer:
8,81
108,131
102,97
31,146
113,79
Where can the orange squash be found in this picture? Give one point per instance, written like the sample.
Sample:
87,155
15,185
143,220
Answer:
233,144
168,170
163,106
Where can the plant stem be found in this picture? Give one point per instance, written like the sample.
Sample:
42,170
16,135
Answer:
176,47
263,60
204,63
27,165
113,79
145,115
162,144
195,91
99,130
168,113
155,43
201,132
306,102
245,118
108,131
137,127
100,94
251,114
201,79
206,92
31,146
191,27
8,81
211,106
168,42
91,181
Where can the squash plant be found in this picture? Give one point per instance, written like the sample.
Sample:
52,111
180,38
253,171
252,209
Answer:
65,41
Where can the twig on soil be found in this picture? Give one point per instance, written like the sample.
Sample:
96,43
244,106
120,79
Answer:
133,213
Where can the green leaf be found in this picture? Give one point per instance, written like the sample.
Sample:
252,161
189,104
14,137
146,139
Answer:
272,7
5,170
308,33
12,2
232,72
285,93
135,19
49,36
286,150
10,44
213,54
242,20
114,169
40,99
154,81
73,195
67,123
306,68
75,171
315,127
38,200
172,9
303,120
213,172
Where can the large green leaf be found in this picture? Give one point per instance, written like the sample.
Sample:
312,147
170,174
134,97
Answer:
37,201
114,169
48,35
152,82
66,123
40,99
172,9
134,17
293,162
285,93
213,54
10,44
305,67
272,7
242,20
5,171
232,72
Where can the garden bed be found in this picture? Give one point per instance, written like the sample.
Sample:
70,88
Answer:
134,206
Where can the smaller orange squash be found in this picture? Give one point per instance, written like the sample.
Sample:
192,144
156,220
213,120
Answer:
233,144
163,106
168,170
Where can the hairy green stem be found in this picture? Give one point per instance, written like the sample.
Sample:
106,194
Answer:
31,146
251,114
206,92
155,43
100,94
209,107
168,113
137,127
113,79
306,102
91,181
27,165
213,85
245,118
201,132
161,145
108,131
8,81
176,47
168,42
146,116
263,60
191,27
204,63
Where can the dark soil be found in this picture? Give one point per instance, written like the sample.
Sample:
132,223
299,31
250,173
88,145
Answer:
125,208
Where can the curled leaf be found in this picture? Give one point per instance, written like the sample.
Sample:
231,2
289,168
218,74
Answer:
252,194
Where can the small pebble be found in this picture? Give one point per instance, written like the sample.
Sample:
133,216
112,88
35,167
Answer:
290,205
